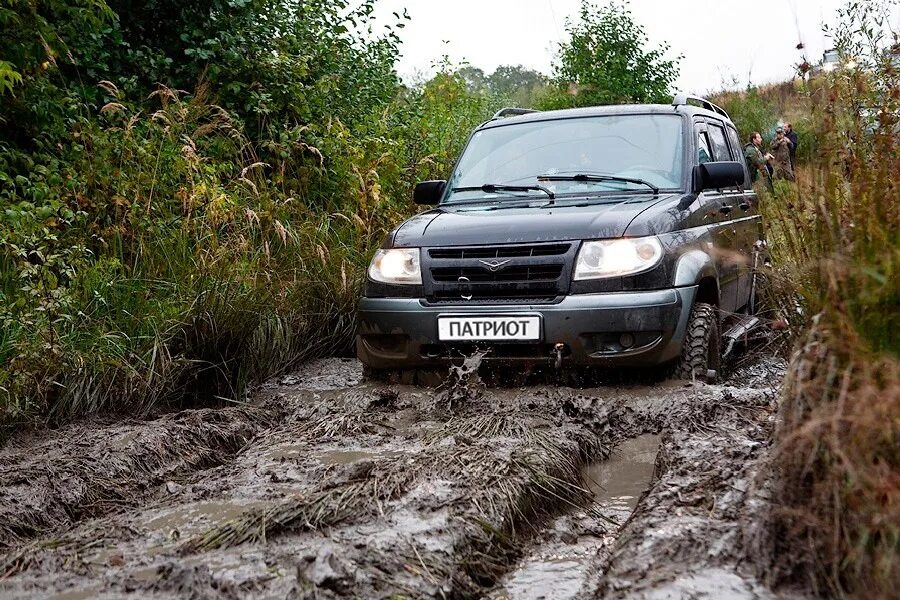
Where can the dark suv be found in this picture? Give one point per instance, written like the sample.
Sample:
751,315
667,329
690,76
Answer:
606,236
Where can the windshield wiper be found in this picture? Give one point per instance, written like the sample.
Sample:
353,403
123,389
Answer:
506,205
597,178
490,188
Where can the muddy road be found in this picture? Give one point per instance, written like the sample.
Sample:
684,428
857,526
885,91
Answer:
324,485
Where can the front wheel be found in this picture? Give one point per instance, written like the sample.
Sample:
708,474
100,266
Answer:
701,351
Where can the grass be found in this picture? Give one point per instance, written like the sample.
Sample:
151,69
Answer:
150,342
179,268
836,239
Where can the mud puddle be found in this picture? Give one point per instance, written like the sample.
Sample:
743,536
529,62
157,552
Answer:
619,481
559,566
194,517
367,490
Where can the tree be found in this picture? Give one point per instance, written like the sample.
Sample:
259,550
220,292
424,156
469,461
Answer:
516,83
507,79
37,34
474,78
606,61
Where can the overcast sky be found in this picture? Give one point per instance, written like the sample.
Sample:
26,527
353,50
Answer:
720,39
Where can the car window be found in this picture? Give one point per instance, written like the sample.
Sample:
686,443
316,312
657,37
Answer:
647,147
735,143
704,155
720,146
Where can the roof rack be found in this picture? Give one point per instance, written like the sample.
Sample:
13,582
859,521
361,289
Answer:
510,111
685,99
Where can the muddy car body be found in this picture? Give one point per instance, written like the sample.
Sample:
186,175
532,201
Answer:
605,236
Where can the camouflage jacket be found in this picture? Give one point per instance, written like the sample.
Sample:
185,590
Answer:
754,157
781,150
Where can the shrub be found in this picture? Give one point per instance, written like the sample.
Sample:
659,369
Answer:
749,111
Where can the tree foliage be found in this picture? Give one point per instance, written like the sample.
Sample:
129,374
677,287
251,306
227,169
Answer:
515,84
36,34
750,111
607,61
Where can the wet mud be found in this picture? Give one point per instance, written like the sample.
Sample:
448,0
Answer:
327,486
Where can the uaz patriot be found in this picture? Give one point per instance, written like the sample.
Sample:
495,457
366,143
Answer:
607,236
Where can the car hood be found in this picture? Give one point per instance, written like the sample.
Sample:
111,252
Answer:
477,224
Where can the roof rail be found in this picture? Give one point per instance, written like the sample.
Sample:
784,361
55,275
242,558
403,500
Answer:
685,99
510,111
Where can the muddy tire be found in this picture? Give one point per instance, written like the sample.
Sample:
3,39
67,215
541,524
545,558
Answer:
701,351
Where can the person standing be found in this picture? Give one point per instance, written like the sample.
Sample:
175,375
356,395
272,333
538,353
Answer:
780,148
757,162
790,134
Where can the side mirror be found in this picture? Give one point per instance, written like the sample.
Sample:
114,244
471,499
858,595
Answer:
718,175
429,192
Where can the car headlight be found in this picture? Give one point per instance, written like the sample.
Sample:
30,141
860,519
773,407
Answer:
396,265
613,258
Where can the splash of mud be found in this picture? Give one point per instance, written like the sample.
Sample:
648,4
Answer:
463,383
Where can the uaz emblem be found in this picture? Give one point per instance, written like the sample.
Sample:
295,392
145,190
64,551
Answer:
494,265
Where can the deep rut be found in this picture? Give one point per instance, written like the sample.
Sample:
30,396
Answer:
331,487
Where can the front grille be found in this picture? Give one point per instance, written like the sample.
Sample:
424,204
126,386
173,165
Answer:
528,273
497,292
518,273
500,251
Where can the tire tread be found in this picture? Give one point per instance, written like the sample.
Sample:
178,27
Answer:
702,331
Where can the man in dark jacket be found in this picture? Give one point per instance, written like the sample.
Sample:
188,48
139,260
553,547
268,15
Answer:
790,134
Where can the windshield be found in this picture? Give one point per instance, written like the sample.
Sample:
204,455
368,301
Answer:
643,147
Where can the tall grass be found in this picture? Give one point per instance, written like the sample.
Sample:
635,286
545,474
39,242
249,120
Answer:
201,276
191,268
837,240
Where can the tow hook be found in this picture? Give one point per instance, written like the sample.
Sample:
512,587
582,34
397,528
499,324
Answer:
558,355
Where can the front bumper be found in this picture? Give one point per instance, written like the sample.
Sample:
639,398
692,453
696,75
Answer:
403,332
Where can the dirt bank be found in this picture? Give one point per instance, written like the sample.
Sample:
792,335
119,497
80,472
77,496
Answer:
328,486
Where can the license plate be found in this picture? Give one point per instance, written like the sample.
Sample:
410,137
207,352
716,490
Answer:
527,327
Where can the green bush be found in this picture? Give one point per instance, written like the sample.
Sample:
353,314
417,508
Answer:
155,246
750,111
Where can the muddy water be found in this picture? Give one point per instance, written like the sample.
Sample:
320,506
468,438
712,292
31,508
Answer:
559,568
331,487
619,481
194,517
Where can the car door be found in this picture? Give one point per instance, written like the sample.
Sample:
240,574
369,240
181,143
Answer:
718,207
733,253
747,222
